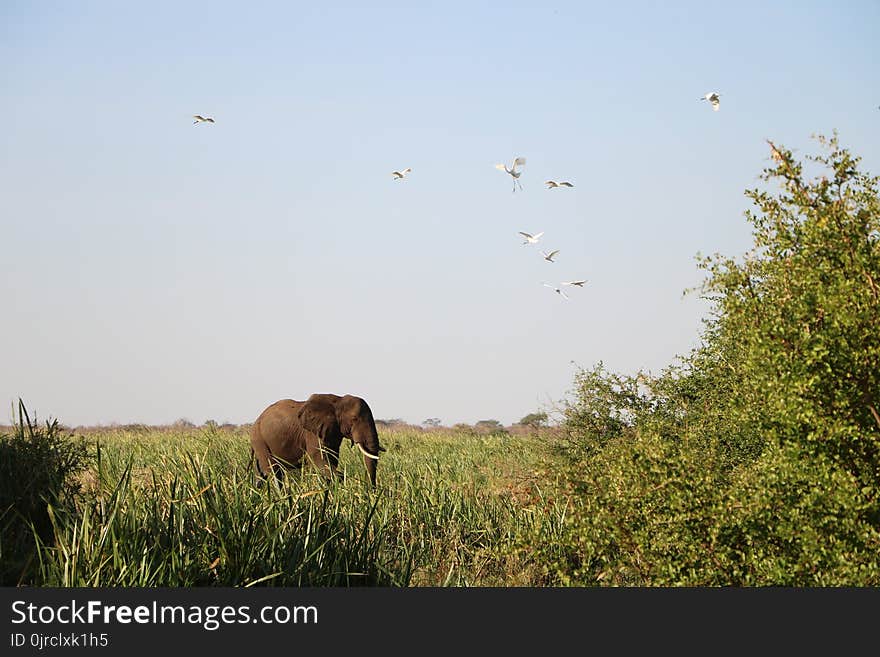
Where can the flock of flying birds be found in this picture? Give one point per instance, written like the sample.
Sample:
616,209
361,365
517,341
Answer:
712,97
515,174
529,238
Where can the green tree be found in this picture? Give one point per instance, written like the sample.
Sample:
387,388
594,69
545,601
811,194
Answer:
534,420
797,322
605,406
490,427
756,459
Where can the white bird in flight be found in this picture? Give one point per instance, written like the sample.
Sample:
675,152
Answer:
520,161
557,289
549,256
531,239
400,174
575,283
202,119
552,184
714,98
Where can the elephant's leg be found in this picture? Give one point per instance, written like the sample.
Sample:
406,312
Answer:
267,463
325,460
262,466
333,462
254,463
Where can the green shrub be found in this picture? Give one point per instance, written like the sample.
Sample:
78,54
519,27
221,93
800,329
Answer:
606,406
799,519
643,517
654,512
797,320
757,460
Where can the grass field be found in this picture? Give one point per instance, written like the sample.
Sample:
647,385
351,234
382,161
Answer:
179,507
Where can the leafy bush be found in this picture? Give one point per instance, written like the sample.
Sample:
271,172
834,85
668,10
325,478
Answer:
797,320
798,519
643,512
756,461
606,406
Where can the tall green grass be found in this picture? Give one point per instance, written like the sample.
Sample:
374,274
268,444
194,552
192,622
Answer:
183,508
39,465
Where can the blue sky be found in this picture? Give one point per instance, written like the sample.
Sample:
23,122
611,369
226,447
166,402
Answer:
153,269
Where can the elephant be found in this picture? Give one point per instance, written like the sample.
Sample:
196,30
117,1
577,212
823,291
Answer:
289,430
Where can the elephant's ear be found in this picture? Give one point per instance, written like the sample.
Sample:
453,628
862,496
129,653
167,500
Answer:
319,417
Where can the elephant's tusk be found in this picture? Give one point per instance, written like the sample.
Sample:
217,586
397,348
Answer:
366,453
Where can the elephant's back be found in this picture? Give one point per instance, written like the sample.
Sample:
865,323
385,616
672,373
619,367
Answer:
281,412
283,406
277,428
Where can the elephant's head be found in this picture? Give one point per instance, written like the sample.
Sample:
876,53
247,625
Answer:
348,416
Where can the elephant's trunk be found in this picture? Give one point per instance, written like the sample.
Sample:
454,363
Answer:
370,463
370,450
363,433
